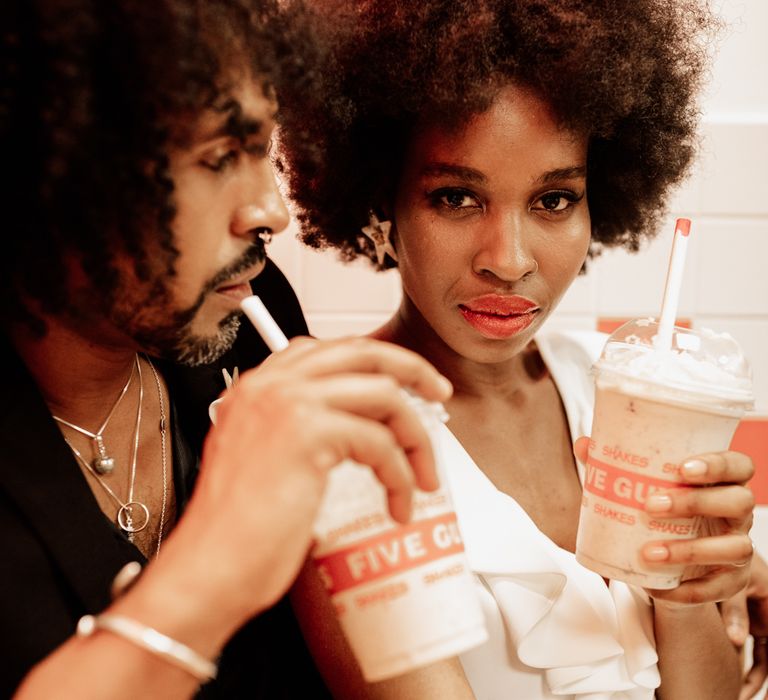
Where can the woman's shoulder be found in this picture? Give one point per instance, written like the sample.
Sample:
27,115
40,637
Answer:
581,347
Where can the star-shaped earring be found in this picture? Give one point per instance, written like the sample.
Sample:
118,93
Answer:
379,232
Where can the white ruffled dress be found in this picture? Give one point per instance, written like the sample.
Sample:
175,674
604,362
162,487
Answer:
555,629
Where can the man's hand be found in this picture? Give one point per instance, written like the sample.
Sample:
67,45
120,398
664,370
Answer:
278,432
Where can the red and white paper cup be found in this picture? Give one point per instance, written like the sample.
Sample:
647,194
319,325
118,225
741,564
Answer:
654,408
404,594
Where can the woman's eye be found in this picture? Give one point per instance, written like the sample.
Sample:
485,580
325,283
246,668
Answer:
455,199
556,201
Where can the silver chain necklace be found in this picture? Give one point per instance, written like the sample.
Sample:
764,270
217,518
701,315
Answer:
133,516
163,455
103,463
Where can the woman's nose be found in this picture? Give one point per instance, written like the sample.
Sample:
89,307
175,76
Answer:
506,251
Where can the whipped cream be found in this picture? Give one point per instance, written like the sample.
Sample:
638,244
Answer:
702,362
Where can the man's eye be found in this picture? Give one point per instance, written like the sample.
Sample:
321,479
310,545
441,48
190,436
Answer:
223,157
258,149
218,161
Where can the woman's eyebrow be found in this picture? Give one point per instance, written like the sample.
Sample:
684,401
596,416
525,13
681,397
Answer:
570,172
459,171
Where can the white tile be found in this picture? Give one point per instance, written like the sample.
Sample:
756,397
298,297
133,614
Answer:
286,251
732,168
752,336
759,531
732,275
580,296
736,83
330,285
632,284
686,197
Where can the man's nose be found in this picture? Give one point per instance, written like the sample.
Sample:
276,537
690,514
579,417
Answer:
263,209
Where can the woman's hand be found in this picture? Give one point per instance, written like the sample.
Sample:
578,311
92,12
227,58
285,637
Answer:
718,559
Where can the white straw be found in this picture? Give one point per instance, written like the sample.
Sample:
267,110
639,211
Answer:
673,285
261,318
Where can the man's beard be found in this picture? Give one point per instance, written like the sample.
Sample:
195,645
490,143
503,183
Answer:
193,350
168,333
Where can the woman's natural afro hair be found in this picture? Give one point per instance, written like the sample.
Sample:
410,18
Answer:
625,73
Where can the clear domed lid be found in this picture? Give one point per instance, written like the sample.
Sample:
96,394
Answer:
699,362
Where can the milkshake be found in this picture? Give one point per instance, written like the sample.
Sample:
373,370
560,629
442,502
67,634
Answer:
655,406
404,594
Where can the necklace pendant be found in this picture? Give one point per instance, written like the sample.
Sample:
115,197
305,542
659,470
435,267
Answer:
103,465
133,517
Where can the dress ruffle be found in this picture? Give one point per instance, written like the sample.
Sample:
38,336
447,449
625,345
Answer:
588,640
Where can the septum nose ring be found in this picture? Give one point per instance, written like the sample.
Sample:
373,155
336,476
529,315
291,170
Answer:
265,234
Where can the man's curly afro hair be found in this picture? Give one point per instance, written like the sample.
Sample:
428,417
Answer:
625,73
92,94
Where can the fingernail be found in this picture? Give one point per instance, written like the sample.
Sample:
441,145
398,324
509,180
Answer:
656,553
695,467
658,503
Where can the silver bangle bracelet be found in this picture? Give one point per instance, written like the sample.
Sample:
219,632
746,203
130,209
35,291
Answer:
153,641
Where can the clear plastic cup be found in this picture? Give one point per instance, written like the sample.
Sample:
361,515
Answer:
404,594
654,408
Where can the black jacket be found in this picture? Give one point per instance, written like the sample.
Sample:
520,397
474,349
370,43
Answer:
59,554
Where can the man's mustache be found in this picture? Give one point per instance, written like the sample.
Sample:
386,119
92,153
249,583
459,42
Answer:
255,254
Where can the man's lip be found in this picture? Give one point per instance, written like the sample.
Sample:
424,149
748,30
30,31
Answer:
238,292
243,278
500,305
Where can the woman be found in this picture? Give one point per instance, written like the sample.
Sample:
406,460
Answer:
503,143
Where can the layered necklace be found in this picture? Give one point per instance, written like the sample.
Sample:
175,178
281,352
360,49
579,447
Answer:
132,514
103,463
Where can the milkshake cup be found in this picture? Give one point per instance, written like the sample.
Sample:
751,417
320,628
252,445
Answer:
655,406
403,593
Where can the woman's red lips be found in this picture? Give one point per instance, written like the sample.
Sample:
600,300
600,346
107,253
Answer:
500,305
498,316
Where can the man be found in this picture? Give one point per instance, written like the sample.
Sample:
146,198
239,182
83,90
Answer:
142,193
